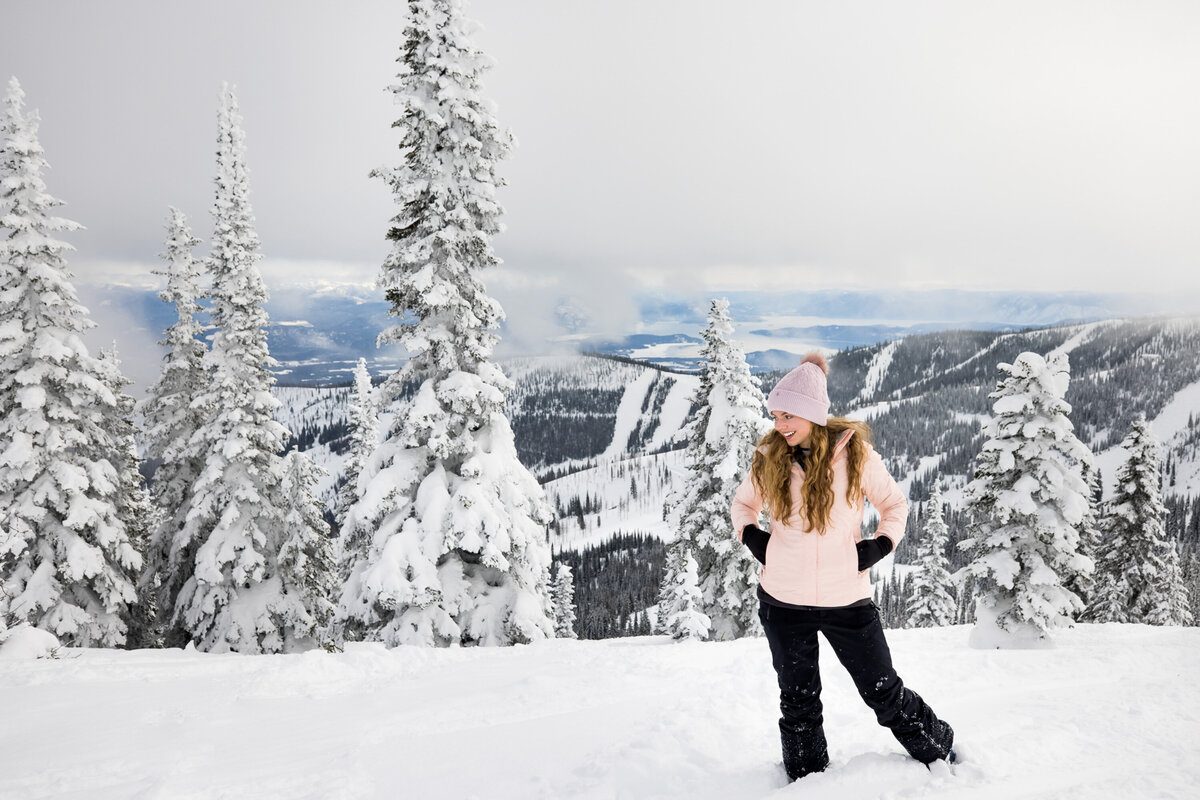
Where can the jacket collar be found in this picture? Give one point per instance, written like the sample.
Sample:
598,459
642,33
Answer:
838,448
842,442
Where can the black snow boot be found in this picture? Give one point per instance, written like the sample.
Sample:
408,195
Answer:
928,743
804,752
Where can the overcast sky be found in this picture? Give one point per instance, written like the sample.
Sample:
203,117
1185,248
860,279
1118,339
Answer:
701,145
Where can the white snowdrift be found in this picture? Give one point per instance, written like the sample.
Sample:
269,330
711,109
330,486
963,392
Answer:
25,642
1111,711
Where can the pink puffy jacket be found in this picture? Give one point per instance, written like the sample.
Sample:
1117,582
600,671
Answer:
806,568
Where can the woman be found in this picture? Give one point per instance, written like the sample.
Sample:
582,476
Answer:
811,474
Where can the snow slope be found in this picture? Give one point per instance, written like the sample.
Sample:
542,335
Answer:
619,510
674,410
877,371
1111,712
1170,423
1175,415
611,478
629,412
1082,334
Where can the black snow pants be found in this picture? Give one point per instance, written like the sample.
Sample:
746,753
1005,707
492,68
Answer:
856,635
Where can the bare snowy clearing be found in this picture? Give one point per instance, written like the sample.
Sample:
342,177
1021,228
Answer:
1112,711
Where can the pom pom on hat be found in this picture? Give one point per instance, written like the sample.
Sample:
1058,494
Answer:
818,359
802,392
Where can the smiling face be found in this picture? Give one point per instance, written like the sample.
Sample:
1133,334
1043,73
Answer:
795,430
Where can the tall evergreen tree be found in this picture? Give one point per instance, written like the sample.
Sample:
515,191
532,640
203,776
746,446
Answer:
1026,504
563,592
172,417
134,507
932,604
234,523
306,568
893,592
459,550
1176,605
1083,582
1139,578
721,441
66,559
1189,568
364,434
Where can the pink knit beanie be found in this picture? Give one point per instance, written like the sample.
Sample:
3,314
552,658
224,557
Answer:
802,391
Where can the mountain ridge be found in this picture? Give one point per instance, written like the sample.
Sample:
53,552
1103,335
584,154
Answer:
318,335
604,435
572,413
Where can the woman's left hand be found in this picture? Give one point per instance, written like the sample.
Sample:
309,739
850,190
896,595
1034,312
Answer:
872,551
756,539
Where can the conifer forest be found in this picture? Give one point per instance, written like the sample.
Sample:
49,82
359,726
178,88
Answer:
1052,473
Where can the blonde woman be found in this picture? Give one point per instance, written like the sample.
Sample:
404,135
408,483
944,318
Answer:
811,475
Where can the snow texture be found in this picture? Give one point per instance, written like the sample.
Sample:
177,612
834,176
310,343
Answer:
26,642
1107,714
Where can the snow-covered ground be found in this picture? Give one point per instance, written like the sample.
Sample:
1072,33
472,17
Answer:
1111,712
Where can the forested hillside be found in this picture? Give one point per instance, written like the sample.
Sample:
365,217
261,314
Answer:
568,411
926,396
603,435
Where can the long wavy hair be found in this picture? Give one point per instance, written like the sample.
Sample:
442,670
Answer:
771,471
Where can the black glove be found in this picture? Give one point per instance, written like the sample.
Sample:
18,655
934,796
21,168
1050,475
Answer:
756,539
872,551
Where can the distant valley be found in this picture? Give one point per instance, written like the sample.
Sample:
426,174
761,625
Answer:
318,336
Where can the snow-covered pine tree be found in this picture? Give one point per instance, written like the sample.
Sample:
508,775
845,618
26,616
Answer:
364,435
965,612
892,594
563,592
1139,578
932,604
1083,582
171,420
721,440
1189,568
1176,607
680,609
134,507
234,523
66,562
673,564
459,550
306,567
1026,504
